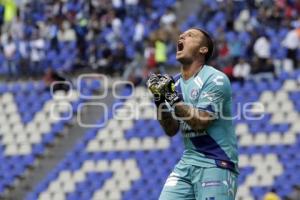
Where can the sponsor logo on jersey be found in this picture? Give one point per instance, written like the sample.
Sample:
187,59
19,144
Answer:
211,183
194,93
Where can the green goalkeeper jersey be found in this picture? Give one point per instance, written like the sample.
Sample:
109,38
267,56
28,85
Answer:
209,90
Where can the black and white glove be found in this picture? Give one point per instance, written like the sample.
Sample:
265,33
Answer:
170,93
153,86
164,87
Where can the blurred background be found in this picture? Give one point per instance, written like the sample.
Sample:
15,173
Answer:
65,130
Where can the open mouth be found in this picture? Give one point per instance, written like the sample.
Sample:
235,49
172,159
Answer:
180,46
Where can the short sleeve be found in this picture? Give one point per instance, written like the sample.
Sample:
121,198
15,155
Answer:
214,93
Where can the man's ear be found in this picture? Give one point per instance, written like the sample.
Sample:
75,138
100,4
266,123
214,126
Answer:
203,50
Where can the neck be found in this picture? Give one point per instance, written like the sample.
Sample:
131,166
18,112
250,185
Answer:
189,70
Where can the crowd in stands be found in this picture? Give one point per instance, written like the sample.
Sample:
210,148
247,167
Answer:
100,35
133,37
252,37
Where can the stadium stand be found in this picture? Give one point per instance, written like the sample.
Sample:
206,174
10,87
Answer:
60,35
124,159
32,116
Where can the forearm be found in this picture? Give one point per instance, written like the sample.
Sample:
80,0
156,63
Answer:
166,120
196,119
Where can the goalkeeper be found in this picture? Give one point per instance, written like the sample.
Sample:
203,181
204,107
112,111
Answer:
198,102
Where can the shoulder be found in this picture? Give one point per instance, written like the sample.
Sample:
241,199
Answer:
215,80
176,77
214,76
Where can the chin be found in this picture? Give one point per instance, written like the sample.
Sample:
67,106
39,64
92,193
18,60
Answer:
182,59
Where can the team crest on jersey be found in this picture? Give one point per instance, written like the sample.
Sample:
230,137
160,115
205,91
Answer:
194,93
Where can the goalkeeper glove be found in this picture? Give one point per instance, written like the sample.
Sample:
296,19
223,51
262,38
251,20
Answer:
170,93
152,85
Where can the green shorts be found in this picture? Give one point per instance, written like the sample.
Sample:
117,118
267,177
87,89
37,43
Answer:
188,182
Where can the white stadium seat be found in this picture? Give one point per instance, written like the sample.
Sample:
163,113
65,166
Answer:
102,166
135,144
121,145
45,196
7,98
287,107
88,166
292,117
290,85
257,158
163,143
8,139
79,176
64,176
35,138
11,108
59,196
278,117
25,149
68,187
289,138
11,149
281,96
127,124
108,145
260,139
54,187
117,134
14,118
148,143
93,146
267,97
246,140
274,138
22,138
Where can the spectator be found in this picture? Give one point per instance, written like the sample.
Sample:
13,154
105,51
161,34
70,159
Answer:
10,53
242,22
131,7
228,69
52,31
261,49
134,70
120,59
292,43
235,48
271,195
17,27
104,65
116,24
149,55
168,19
241,70
161,51
139,32
24,51
66,33
37,54
257,68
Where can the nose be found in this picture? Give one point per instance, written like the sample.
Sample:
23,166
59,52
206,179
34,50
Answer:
182,36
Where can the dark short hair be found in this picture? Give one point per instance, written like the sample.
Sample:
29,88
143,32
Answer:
209,43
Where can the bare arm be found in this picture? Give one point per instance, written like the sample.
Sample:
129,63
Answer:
166,120
198,120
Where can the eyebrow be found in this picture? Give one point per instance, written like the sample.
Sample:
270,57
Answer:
189,31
